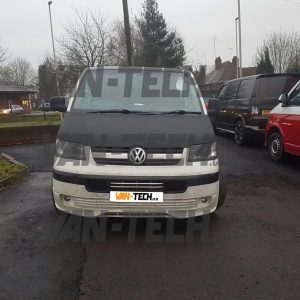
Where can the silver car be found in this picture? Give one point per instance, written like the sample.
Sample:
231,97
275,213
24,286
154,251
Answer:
14,110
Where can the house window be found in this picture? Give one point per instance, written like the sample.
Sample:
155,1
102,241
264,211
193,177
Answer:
26,103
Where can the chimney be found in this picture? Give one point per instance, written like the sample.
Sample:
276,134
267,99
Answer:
234,61
218,63
201,75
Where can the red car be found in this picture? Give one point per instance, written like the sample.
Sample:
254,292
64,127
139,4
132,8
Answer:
283,129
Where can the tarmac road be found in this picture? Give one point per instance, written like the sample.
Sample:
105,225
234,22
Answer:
250,252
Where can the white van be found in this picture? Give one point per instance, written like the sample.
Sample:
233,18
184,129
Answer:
136,142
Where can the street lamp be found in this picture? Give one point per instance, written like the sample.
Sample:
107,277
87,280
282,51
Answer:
237,48
240,38
215,52
54,56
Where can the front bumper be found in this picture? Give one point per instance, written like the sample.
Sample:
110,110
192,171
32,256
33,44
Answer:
74,198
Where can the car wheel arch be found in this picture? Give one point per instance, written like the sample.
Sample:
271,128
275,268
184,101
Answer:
273,129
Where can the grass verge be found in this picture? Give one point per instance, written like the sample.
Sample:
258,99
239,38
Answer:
8,169
30,121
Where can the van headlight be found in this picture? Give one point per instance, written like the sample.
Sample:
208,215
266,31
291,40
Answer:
203,152
70,150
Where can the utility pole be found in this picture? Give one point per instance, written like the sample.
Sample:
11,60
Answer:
237,48
214,39
127,33
54,55
240,38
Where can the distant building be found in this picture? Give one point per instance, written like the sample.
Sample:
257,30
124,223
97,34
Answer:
224,71
18,94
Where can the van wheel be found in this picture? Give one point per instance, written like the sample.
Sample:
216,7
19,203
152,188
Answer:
239,133
222,191
275,147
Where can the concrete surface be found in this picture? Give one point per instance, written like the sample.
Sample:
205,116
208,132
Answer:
252,250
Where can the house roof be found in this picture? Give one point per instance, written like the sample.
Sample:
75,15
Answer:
223,73
227,71
13,87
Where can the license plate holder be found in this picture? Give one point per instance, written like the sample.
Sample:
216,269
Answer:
136,197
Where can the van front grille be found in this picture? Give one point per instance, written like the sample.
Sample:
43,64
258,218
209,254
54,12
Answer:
105,186
144,186
127,149
105,204
119,156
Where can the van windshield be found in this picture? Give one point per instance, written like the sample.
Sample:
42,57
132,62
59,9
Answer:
136,90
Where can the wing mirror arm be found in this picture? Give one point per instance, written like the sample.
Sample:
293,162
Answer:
284,100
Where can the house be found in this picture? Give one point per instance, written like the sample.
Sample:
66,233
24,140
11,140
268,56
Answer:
17,94
224,71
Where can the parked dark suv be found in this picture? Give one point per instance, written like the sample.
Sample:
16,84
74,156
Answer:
243,105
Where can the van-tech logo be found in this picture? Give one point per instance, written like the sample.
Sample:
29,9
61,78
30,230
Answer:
137,155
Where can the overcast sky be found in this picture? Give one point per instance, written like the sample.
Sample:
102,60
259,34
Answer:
25,31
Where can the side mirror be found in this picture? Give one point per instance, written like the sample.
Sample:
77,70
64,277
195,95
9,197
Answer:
58,103
284,99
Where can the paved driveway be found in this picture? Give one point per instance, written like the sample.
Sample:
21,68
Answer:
251,252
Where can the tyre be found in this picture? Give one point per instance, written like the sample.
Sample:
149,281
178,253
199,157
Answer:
275,147
239,133
222,191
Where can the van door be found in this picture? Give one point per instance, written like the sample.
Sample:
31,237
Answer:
290,123
221,98
228,106
244,96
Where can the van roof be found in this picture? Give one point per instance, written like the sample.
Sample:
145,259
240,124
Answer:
179,70
265,75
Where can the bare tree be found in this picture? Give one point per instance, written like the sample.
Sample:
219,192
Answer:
117,44
283,47
3,58
3,54
85,41
5,73
19,70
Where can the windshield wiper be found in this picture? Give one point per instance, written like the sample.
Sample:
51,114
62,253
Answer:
121,111
181,112
111,111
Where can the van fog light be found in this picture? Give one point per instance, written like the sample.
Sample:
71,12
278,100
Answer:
205,200
66,198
